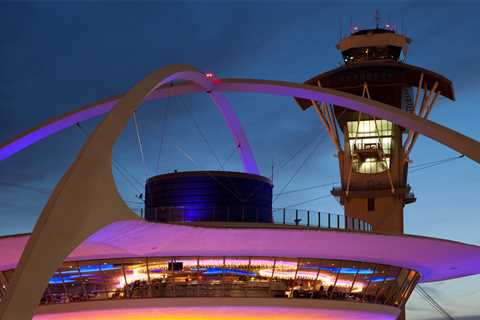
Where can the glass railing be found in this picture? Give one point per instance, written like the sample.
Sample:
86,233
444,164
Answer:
226,276
278,216
319,219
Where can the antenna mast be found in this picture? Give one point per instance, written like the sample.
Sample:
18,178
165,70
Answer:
377,19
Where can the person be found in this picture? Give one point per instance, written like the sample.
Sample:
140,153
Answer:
321,292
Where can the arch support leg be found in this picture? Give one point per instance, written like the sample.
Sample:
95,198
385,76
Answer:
84,200
239,136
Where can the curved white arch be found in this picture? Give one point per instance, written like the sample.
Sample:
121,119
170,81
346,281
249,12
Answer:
442,134
54,125
84,201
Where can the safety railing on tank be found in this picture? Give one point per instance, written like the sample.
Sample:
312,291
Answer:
279,216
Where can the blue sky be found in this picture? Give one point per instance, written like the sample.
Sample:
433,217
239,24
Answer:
58,56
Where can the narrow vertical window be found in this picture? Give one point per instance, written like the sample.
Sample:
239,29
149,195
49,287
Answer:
371,204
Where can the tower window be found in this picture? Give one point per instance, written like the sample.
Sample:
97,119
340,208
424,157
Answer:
371,204
370,143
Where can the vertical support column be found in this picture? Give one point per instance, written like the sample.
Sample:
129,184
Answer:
336,279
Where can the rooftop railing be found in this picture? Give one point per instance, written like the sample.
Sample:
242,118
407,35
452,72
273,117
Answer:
277,216
318,219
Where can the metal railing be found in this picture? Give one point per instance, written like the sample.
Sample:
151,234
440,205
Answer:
279,216
319,219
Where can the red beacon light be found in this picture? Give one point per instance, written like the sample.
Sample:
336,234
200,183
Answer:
210,76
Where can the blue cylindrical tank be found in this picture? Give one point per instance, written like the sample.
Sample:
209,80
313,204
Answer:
208,196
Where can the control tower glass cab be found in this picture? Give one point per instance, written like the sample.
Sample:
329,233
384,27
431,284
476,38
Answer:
373,45
370,143
373,153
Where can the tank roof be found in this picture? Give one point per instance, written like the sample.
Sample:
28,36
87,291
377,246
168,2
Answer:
210,173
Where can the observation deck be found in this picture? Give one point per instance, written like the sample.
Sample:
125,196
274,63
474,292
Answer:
245,263
227,277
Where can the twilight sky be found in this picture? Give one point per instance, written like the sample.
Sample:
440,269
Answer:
58,56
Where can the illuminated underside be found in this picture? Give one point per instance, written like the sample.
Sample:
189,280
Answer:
216,308
212,313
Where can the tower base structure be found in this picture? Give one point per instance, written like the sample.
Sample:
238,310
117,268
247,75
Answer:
380,208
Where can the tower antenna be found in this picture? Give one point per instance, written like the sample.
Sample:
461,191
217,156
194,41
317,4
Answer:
377,19
341,29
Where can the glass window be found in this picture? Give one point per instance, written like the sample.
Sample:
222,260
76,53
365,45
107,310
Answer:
160,277
259,285
326,276
361,280
406,289
227,276
92,277
374,283
285,269
306,280
387,286
211,277
236,276
370,144
73,281
396,286
285,277
136,277
190,273
345,277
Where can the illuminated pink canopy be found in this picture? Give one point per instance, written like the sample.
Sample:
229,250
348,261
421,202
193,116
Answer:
435,259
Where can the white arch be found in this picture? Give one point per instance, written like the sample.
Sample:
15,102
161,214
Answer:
84,200
54,125
453,139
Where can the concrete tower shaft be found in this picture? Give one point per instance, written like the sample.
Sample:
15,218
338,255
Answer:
374,153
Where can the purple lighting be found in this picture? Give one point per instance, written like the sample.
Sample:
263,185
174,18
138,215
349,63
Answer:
435,259
448,137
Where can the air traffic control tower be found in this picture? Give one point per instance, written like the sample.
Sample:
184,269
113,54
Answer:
373,153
